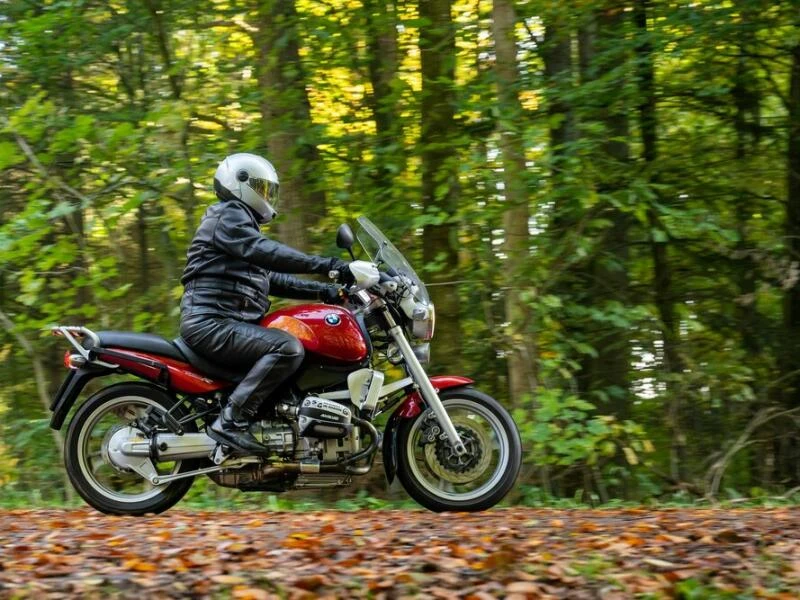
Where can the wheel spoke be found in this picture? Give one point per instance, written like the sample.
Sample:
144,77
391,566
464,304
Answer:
460,478
96,464
106,479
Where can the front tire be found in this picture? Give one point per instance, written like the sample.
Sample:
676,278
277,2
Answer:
101,484
441,481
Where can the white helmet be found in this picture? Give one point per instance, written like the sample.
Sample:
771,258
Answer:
251,179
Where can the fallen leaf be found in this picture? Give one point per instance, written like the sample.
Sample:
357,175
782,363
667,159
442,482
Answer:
310,583
139,565
522,587
729,536
250,594
228,579
661,564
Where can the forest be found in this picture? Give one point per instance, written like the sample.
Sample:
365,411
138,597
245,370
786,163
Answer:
604,197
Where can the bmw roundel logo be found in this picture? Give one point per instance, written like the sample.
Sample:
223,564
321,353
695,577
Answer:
333,319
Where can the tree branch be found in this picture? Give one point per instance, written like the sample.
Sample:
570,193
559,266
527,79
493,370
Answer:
717,470
41,386
28,151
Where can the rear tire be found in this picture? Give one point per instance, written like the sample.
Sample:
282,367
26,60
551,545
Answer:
81,467
420,481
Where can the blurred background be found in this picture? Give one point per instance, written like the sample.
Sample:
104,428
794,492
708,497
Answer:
604,197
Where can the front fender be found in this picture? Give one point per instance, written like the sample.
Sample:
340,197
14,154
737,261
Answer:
408,409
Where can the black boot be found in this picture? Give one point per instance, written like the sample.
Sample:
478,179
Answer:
233,428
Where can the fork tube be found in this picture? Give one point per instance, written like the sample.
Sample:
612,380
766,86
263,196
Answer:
426,388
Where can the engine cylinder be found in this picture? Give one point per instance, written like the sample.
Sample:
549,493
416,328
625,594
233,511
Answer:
278,436
321,418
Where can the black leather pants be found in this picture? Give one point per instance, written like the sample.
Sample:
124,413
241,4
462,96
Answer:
271,355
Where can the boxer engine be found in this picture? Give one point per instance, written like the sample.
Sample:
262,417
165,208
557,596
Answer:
315,432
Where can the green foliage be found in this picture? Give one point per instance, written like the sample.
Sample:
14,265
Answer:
563,432
641,368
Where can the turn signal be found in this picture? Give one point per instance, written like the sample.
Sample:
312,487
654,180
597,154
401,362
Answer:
73,361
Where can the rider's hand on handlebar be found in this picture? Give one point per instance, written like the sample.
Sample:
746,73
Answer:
334,294
342,271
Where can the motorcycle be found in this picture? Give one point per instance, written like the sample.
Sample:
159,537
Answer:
135,447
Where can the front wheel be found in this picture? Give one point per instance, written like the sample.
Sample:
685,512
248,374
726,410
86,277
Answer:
439,479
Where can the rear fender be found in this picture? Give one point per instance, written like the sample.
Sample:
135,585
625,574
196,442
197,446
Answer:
408,409
69,391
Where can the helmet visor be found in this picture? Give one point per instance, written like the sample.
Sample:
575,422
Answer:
266,189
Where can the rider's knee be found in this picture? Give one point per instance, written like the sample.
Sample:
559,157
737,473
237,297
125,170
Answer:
292,349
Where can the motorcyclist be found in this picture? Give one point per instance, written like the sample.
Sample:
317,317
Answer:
230,269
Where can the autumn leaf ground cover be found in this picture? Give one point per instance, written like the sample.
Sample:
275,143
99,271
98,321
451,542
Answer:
513,553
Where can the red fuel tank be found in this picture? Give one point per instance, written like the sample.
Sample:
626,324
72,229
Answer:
328,331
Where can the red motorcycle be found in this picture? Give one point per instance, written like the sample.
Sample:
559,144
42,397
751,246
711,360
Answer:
135,447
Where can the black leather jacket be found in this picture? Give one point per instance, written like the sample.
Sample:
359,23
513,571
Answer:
231,267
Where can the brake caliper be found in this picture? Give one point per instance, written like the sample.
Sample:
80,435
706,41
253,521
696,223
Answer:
430,429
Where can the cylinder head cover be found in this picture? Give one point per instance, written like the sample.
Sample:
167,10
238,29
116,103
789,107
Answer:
322,418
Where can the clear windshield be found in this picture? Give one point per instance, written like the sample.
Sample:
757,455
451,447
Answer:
383,253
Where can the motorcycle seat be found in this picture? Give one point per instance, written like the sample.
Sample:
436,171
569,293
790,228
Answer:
205,366
142,342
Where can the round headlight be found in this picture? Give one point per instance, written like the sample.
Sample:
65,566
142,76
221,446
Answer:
423,353
423,327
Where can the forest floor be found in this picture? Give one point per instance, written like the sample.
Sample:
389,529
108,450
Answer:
512,553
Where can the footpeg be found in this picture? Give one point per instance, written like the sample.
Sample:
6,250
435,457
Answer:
221,453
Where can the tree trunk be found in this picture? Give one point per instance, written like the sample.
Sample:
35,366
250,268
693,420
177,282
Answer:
286,121
522,376
162,35
440,174
156,10
663,292
791,301
382,63
787,463
608,371
567,233
746,100
557,57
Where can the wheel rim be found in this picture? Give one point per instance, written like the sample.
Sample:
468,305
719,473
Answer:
102,475
439,473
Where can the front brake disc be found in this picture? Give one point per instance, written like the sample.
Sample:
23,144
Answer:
448,466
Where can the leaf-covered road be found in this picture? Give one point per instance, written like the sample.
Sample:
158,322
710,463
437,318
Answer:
514,553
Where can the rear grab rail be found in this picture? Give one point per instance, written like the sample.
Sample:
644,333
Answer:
70,332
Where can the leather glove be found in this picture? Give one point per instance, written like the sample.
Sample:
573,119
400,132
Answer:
343,268
332,295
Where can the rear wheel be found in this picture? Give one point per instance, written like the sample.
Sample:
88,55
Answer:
99,481
439,479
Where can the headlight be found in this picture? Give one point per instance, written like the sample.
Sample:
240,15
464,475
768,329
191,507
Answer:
422,328
423,353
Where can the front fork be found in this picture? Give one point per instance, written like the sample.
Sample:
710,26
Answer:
426,389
